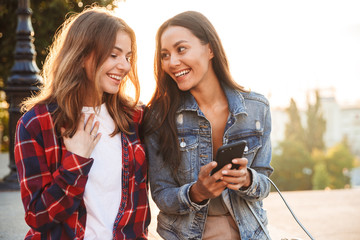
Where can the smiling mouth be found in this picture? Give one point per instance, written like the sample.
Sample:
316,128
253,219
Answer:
182,73
116,77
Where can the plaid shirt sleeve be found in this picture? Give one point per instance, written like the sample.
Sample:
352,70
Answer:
52,180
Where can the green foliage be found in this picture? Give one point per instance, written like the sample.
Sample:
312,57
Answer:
316,126
291,161
4,130
46,19
8,21
294,130
321,178
292,167
301,162
333,167
339,161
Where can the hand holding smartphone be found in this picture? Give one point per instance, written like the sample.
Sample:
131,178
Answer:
226,153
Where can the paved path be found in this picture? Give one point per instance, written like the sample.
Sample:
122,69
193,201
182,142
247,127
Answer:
327,215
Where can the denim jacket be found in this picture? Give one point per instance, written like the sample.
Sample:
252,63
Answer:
179,217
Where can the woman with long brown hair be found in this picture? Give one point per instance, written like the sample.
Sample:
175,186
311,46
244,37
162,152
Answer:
196,108
81,165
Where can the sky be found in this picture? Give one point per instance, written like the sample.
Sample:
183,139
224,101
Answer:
282,49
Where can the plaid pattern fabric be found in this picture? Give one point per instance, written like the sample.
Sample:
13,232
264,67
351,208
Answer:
52,181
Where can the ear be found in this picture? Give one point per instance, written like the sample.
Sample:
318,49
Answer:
211,53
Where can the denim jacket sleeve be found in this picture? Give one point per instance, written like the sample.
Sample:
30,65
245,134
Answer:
166,192
260,167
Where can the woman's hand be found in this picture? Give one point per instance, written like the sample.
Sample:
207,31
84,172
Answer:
207,187
85,139
237,178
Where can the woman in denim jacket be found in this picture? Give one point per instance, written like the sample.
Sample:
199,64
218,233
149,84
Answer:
196,108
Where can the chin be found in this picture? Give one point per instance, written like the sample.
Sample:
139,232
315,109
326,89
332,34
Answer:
183,88
112,91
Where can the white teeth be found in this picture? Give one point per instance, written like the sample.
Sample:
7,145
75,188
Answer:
182,73
115,76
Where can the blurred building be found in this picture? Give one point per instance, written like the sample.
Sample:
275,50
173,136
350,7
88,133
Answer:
342,121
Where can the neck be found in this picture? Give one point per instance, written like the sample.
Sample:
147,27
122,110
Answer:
210,95
89,101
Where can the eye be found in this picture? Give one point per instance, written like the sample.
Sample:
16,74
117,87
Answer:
164,55
128,58
181,49
113,55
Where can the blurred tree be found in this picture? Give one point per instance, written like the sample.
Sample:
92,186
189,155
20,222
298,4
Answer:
291,161
46,19
301,161
292,167
316,125
294,130
4,130
294,161
321,178
340,161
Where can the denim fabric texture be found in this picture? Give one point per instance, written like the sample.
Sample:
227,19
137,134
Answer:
249,120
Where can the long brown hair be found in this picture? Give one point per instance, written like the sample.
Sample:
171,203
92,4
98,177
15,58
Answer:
161,110
93,31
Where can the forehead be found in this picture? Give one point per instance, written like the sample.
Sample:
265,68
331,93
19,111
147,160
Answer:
123,41
174,34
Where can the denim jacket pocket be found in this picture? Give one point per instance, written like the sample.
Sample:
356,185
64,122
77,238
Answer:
170,226
188,144
253,143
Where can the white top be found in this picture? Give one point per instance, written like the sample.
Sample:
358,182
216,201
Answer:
103,189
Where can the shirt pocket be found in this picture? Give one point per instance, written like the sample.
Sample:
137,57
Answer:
253,143
188,145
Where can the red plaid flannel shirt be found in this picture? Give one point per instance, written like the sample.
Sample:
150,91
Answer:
52,181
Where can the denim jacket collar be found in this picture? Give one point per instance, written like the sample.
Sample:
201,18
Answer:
235,99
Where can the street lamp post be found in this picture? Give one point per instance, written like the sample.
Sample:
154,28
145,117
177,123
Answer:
23,81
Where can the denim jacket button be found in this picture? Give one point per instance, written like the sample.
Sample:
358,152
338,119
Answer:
183,144
180,119
257,125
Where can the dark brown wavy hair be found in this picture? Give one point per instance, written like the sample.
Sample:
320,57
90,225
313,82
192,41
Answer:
92,31
161,110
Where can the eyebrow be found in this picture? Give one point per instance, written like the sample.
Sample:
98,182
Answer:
175,44
121,50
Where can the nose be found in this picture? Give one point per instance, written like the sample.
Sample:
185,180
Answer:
123,64
174,60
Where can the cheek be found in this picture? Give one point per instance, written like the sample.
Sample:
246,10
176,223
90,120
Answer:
127,68
165,67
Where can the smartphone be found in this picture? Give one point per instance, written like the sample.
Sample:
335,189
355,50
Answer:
226,153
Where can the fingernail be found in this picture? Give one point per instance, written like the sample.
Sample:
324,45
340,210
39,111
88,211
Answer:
224,172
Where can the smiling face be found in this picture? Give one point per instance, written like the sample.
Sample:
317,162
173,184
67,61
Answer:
184,58
116,66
